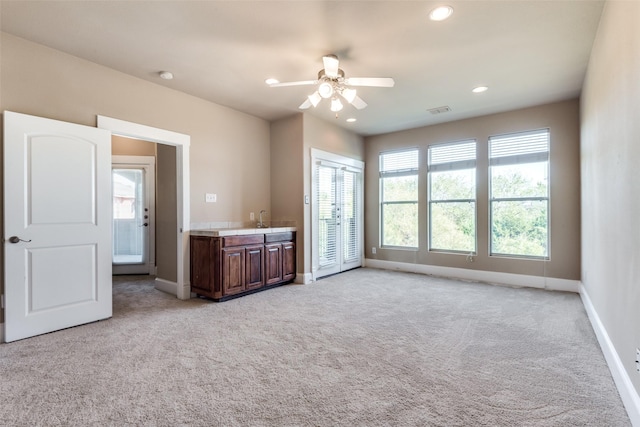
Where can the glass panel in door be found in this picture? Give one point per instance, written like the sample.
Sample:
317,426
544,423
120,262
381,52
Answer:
350,217
130,218
327,217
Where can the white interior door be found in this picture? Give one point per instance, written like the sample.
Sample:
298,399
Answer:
337,214
57,229
133,189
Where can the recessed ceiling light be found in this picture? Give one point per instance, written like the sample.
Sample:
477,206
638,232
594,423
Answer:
351,120
440,13
271,81
166,75
479,89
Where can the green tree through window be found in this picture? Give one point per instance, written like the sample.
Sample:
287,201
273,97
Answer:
452,196
399,198
519,165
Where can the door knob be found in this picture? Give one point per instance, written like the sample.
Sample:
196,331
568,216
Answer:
16,239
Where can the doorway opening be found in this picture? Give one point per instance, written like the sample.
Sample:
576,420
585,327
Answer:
176,146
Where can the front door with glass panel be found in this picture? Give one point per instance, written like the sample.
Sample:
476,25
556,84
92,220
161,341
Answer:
132,216
337,214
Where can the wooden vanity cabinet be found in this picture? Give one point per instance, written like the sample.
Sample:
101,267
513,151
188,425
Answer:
223,267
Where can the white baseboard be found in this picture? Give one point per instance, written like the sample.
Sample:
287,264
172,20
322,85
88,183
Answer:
510,279
167,286
303,278
627,391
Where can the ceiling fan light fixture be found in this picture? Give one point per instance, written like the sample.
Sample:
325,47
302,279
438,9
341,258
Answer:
166,75
349,94
315,98
336,105
325,90
440,13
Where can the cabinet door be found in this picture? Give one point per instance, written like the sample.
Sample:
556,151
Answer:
201,256
254,266
273,263
233,269
288,261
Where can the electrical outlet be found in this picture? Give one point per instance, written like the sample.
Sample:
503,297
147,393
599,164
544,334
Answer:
373,250
637,359
252,216
210,198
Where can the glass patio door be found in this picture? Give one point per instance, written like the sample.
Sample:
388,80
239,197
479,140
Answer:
132,218
337,218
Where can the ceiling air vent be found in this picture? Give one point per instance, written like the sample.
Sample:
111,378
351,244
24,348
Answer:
439,110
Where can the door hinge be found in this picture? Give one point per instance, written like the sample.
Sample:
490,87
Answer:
2,301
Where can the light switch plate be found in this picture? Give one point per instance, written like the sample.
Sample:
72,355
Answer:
210,198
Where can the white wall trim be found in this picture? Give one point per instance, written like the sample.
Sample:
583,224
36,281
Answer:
303,278
166,286
181,142
628,394
510,279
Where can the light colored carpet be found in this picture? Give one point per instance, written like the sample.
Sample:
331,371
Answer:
364,348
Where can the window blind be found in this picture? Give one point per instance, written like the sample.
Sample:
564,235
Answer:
399,161
523,147
449,156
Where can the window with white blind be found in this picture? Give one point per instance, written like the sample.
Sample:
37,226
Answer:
452,196
519,194
399,198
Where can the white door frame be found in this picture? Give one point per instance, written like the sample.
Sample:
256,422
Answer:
181,142
148,163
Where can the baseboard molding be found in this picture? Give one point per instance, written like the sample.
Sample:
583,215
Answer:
510,279
167,286
627,391
303,278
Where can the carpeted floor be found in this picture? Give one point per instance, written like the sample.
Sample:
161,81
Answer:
364,348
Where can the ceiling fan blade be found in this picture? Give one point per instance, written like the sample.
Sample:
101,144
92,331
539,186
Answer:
359,103
300,83
370,81
306,104
331,65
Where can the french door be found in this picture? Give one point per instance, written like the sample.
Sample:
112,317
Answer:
133,189
337,214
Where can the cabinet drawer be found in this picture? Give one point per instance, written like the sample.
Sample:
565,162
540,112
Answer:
278,237
250,239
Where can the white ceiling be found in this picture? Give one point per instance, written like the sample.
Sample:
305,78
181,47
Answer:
528,52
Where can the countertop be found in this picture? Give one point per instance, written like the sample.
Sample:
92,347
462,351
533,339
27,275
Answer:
221,232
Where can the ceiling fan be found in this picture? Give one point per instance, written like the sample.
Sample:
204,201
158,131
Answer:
332,84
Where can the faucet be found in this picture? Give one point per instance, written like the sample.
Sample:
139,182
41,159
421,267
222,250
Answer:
260,223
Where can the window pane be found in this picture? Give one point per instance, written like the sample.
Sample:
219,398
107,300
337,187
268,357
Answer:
400,224
457,184
400,188
453,226
519,228
519,180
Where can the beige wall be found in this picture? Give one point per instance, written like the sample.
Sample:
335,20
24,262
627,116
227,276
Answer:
166,213
121,146
291,141
229,149
610,160
562,119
